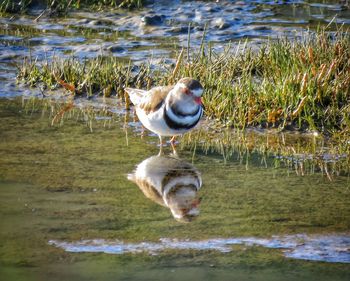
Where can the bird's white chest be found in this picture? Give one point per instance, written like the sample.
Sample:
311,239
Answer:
155,122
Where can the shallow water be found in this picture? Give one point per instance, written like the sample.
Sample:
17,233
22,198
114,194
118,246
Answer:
68,210
66,187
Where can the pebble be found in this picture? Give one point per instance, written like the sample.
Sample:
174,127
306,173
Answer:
153,20
179,30
116,49
261,28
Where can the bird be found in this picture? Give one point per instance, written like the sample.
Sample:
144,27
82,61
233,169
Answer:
170,182
169,111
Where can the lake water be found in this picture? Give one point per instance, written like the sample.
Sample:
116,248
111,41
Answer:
71,207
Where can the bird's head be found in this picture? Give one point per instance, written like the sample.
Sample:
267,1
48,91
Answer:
191,88
183,202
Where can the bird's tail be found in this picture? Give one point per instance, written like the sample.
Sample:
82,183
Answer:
136,95
131,177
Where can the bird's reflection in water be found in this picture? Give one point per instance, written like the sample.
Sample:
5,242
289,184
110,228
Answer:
170,182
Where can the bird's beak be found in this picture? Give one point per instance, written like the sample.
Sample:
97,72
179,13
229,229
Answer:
198,100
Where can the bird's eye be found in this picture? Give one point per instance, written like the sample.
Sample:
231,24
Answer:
186,91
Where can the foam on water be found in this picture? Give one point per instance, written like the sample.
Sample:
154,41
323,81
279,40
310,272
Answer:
326,248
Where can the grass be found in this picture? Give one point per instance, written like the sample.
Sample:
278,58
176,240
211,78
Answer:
61,6
102,75
302,84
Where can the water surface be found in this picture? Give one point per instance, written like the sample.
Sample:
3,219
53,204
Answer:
68,184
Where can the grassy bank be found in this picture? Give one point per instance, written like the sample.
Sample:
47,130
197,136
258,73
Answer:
60,6
302,84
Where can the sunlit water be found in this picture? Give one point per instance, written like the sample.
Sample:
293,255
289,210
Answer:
70,208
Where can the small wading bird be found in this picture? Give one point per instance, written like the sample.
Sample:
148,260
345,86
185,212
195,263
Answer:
169,110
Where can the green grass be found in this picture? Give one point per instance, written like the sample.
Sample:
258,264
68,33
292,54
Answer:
287,84
61,6
301,84
102,75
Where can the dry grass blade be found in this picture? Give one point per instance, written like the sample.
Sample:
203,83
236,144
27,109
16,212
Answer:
177,66
300,106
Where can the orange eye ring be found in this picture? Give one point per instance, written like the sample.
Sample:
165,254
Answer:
186,91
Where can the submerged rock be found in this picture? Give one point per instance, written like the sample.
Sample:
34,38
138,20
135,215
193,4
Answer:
179,30
262,28
153,20
116,49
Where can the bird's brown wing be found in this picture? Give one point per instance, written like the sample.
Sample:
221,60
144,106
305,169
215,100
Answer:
155,98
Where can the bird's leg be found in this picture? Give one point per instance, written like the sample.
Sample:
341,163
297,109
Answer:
161,142
160,146
172,142
143,132
161,152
